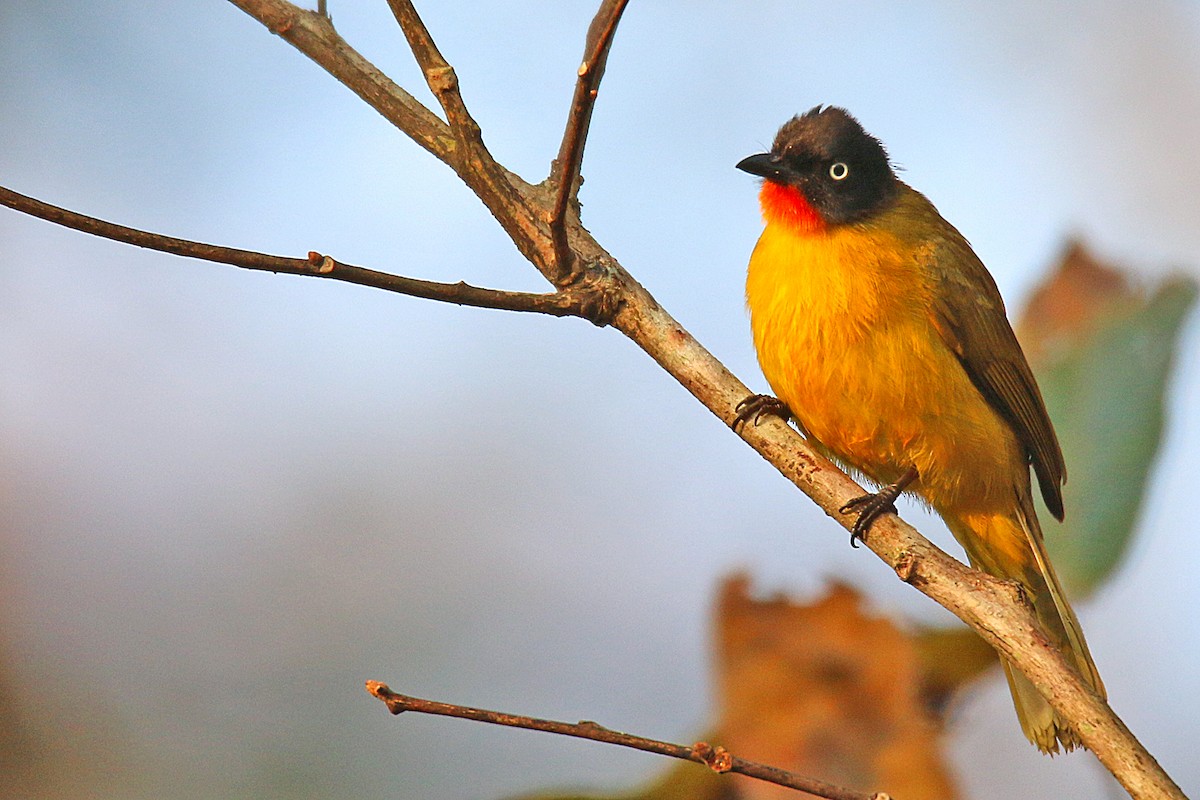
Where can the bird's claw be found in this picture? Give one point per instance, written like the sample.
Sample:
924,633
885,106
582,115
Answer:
757,406
872,506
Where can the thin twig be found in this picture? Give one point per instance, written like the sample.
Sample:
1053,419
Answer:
715,758
559,304
440,76
570,153
504,193
499,189
313,34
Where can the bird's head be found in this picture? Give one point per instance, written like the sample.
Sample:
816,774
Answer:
823,169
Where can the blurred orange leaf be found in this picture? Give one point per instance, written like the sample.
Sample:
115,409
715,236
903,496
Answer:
825,689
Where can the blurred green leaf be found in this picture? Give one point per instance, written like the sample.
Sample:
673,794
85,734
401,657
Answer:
1103,367
1103,354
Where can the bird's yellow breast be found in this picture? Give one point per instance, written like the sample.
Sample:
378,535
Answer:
843,325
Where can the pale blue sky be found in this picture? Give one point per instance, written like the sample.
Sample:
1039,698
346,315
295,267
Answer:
226,487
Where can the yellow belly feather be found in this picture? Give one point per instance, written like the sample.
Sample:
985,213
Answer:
854,354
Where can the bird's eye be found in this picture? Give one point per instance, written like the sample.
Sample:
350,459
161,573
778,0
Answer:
838,171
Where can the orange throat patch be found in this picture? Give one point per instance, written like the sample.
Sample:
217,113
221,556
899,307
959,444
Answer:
787,205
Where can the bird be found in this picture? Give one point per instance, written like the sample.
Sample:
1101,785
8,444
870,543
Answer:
885,340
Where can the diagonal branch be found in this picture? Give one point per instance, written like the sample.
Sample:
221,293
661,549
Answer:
570,154
716,758
558,304
504,193
991,607
313,34
501,191
440,76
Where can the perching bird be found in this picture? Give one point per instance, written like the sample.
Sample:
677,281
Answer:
884,337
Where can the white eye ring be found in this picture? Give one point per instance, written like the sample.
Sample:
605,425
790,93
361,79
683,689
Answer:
839,170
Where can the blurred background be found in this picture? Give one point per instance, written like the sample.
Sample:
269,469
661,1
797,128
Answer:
230,498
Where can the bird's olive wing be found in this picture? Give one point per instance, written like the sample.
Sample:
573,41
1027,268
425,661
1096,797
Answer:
970,316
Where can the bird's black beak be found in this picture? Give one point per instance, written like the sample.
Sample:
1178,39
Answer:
764,165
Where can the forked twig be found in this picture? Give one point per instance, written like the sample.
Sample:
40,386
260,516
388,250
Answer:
440,76
313,34
715,758
496,187
570,153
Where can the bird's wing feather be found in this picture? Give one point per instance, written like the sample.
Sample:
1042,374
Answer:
970,317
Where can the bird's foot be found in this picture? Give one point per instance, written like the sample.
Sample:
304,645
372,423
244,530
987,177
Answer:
871,507
757,406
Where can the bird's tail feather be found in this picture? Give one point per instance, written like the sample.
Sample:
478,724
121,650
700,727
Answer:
1011,548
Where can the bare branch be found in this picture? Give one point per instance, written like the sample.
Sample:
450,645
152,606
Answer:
558,304
715,758
570,153
313,34
505,194
440,76
500,190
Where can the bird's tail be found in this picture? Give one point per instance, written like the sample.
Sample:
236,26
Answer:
1011,547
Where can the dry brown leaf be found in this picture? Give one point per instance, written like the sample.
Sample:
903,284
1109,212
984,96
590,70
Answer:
825,690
